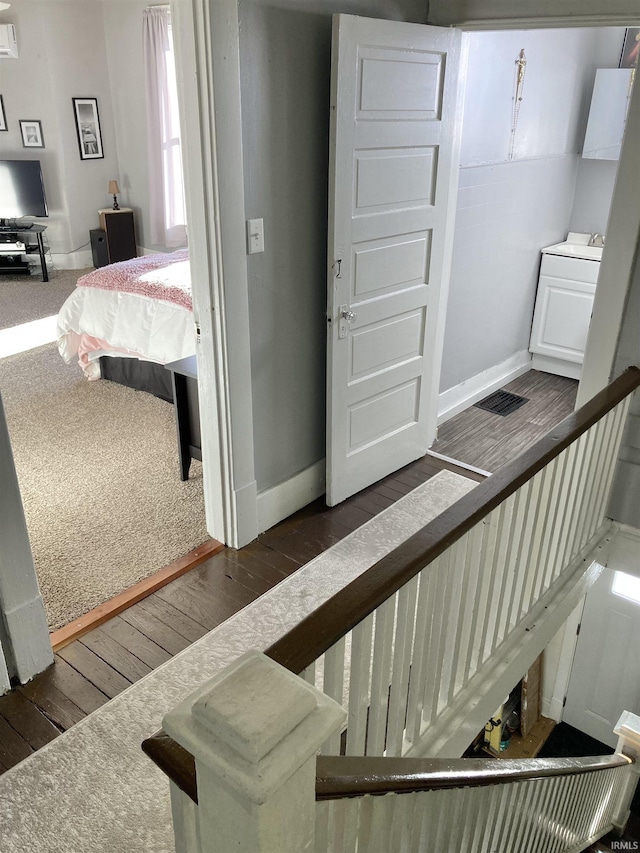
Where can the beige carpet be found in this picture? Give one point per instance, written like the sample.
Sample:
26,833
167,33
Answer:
26,297
98,471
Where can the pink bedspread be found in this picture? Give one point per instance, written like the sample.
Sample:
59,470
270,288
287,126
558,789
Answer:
160,276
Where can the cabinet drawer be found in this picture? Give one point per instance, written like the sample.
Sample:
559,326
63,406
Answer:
576,269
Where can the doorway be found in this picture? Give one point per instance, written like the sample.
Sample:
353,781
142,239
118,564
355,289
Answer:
605,676
287,304
523,186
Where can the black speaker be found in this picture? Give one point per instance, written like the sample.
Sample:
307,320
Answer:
99,248
121,237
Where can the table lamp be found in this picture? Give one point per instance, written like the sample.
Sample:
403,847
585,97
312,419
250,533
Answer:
113,190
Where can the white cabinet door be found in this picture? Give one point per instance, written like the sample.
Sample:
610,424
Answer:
564,303
561,319
608,113
395,117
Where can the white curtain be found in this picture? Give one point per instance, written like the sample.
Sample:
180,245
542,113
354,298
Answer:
166,187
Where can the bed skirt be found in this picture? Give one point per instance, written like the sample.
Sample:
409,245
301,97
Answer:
140,375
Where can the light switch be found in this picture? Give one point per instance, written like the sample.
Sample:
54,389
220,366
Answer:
255,236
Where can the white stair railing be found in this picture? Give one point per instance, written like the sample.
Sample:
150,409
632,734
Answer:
422,633
439,625
252,735
550,813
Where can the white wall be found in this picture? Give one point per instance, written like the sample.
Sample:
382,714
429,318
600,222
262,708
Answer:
85,48
508,209
62,54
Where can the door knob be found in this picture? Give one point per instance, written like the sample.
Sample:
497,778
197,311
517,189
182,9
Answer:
346,316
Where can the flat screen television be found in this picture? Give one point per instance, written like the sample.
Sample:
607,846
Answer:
21,190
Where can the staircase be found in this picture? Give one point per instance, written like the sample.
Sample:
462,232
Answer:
409,660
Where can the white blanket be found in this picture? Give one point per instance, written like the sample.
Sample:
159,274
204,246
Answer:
94,322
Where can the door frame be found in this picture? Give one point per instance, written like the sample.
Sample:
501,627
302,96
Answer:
206,39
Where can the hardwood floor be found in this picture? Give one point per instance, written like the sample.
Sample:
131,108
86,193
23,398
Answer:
102,663
488,441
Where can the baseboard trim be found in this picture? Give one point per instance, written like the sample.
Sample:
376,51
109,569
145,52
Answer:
245,509
552,708
68,633
460,397
281,501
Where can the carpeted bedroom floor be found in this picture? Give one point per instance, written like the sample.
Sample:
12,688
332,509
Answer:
24,298
98,470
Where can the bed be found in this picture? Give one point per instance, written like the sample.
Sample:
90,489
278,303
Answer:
124,321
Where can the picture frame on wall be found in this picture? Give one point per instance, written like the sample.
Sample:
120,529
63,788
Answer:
630,48
87,119
3,116
31,132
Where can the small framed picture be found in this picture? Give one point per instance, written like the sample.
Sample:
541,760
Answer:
3,116
31,131
630,49
88,128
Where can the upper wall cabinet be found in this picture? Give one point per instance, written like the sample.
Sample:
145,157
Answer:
608,113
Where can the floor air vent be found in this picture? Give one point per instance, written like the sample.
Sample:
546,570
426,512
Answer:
501,403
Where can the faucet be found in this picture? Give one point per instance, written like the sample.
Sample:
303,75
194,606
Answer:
597,240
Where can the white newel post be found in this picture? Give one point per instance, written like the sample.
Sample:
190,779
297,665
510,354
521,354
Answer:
254,731
628,731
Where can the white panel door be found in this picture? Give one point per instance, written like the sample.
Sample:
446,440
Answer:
605,677
395,116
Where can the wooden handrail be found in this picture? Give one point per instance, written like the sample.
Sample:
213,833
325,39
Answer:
352,776
319,631
174,761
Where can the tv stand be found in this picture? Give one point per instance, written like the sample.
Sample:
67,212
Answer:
11,263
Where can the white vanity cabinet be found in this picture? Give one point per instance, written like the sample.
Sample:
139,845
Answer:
564,302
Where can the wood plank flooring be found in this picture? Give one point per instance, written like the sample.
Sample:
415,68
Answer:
488,441
103,662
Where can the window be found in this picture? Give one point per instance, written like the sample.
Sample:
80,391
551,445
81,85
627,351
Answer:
626,586
166,184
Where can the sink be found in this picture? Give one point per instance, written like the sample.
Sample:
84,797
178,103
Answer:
575,250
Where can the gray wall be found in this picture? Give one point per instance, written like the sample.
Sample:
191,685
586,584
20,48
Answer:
509,209
285,55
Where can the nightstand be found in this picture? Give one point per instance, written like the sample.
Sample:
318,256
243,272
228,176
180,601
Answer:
115,240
